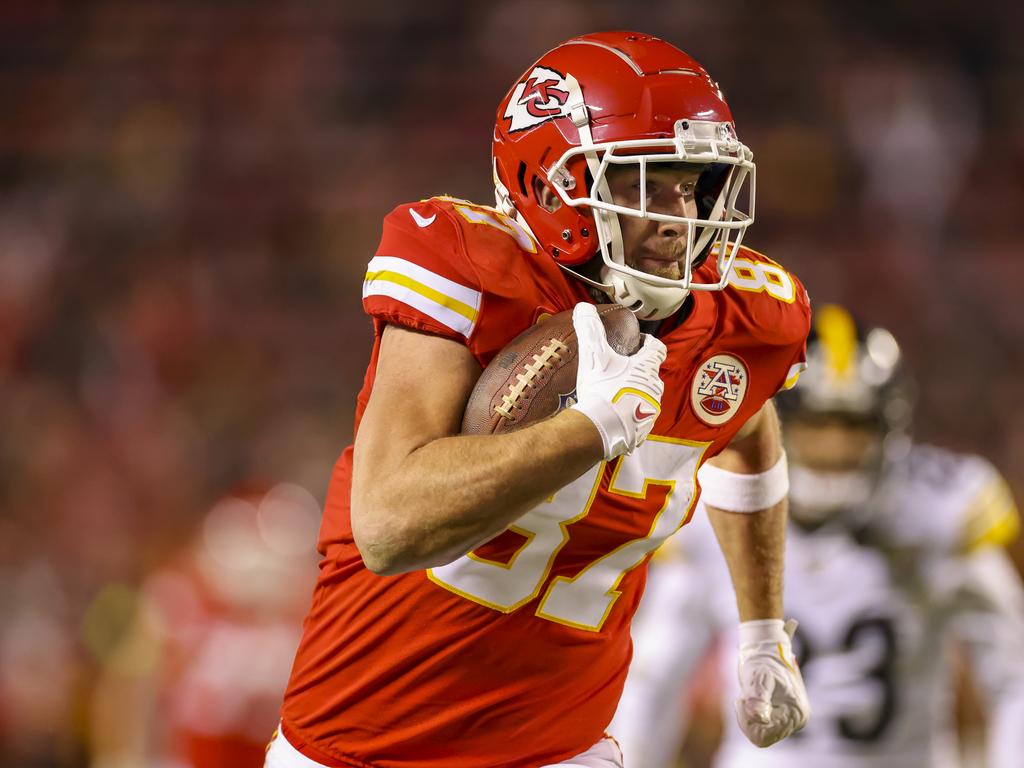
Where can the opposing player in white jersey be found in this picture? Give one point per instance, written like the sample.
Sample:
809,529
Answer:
894,554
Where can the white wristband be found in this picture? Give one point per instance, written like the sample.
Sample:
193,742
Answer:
608,424
762,631
735,492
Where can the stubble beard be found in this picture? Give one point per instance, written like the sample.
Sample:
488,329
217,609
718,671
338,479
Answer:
668,269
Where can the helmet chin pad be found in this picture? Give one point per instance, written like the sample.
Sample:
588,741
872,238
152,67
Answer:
648,302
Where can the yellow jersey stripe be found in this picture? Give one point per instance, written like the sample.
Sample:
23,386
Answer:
793,375
993,518
426,291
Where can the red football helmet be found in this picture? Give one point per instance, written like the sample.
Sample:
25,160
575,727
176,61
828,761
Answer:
620,97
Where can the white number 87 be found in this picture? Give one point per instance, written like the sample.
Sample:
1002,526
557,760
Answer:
585,600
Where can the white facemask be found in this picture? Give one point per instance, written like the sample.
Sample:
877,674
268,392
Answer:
817,496
695,142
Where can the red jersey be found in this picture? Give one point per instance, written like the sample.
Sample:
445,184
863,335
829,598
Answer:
223,664
516,653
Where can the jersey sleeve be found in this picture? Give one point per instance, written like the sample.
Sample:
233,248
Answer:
799,319
989,517
421,276
776,311
796,367
951,504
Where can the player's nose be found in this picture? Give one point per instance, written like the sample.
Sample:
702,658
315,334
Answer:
674,229
677,205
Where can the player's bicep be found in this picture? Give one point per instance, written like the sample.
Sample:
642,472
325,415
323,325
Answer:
420,389
756,447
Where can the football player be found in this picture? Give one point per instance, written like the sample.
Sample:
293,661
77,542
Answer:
475,592
196,680
894,555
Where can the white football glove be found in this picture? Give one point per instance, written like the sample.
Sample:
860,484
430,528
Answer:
773,701
621,394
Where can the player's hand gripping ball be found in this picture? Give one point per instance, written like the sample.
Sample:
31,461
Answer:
593,360
534,376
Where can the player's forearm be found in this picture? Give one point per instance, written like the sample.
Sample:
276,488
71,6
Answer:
753,539
451,494
753,544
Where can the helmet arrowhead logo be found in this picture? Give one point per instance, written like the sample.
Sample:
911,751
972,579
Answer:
541,96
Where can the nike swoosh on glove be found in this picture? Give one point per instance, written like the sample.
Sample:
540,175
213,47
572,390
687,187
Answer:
773,701
621,394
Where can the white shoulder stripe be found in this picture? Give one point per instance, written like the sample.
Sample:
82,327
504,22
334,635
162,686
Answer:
442,314
449,303
425,276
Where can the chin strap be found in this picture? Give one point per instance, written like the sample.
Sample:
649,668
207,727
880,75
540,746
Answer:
502,197
609,234
649,302
602,287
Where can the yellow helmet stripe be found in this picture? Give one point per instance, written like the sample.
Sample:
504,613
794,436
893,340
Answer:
838,336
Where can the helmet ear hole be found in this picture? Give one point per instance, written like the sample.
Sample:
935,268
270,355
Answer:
546,197
521,178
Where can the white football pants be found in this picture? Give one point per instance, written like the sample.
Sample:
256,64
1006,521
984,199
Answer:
604,754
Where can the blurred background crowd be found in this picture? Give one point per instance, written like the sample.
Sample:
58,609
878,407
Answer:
189,192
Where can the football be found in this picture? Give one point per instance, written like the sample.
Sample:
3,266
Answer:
534,375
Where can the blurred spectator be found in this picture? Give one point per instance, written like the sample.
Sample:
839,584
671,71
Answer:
196,680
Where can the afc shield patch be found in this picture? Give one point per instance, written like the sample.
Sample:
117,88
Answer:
719,388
